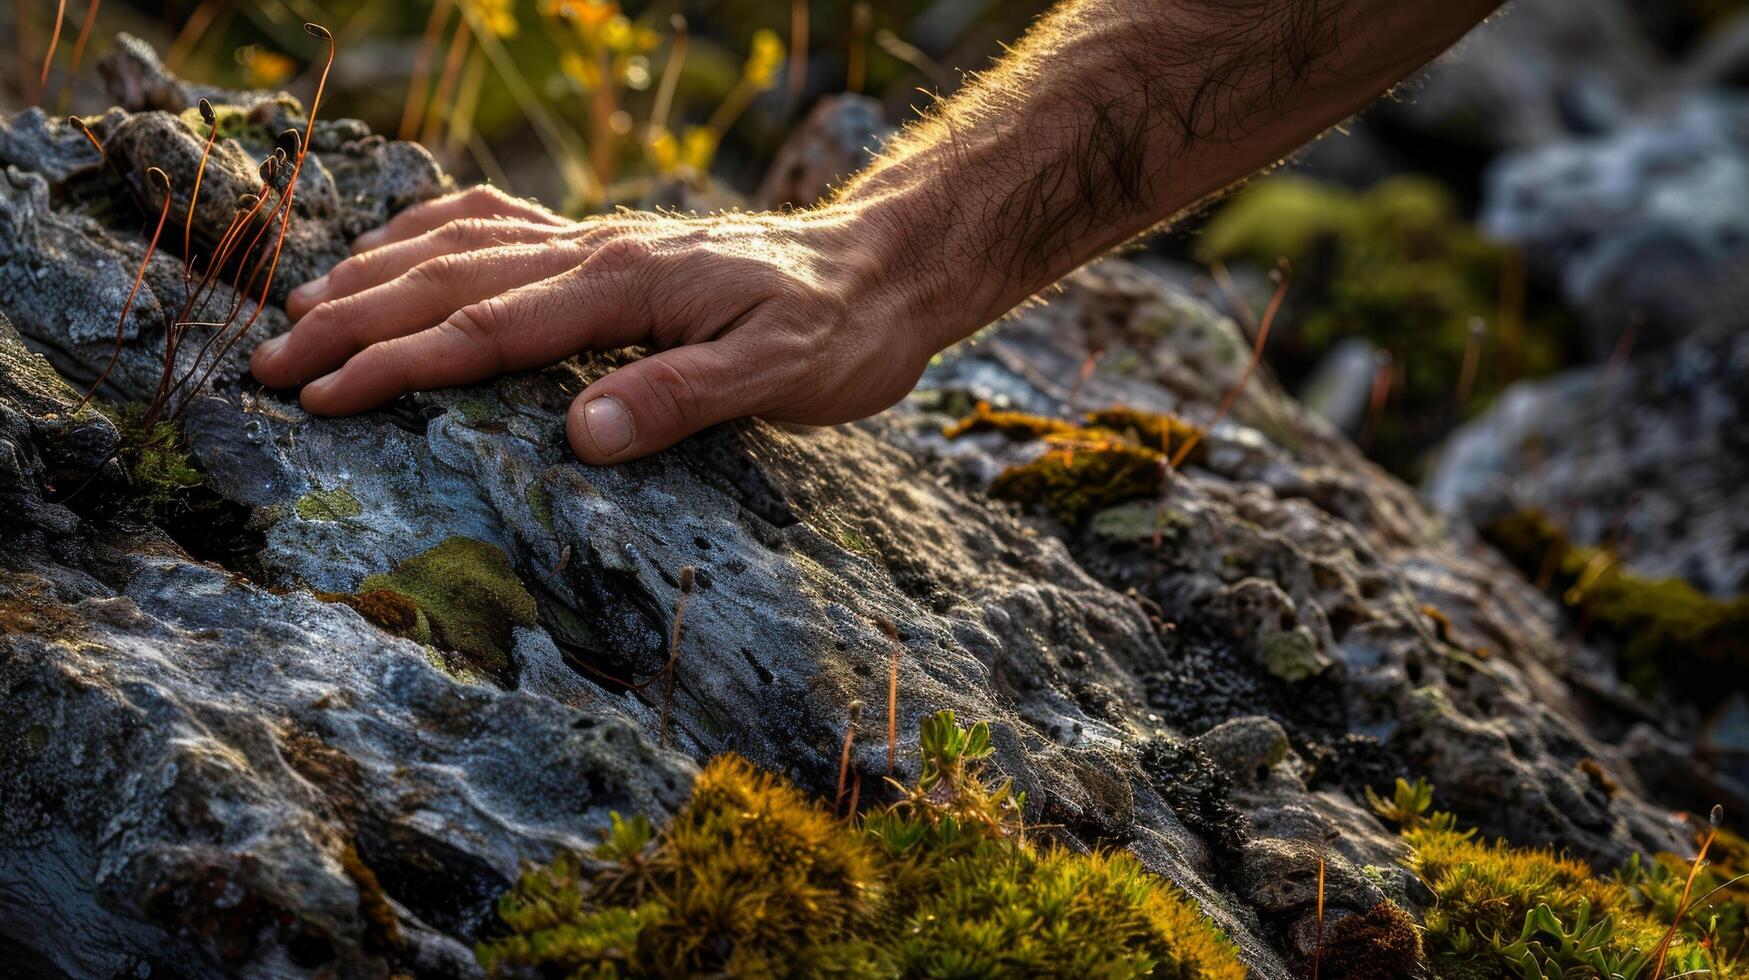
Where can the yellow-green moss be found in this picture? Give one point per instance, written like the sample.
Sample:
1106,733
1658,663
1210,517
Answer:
1399,266
250,126
540,503
1014,425
753,879
1114,457
1075,483
1504,911
1667,630
1152,430
157,462
471,597
328,505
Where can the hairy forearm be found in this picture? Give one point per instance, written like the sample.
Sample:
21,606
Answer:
1110,117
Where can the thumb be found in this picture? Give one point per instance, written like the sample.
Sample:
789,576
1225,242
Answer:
653,403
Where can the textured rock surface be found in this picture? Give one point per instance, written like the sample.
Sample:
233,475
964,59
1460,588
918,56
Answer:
206,769
1636,225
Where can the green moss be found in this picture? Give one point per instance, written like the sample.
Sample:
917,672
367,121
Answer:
1501,910
328,505
1113,457
1667,631
155,458
1134,523
471,597
753,879
474,410
1293,655
1075,483
540,503
1399,266
250,126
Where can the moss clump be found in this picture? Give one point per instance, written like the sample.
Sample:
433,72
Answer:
1511,911
540,504
1153,430
1399,266
1667,630
471,598
157,462
250,126
1075,483
752,879
1382,943
1014,425
1115,457
328,505
387,608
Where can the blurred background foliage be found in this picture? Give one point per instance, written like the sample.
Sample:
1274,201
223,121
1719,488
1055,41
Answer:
570,101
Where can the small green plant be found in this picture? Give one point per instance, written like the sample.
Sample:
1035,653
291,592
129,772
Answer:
1520,912
156,461
751,878
1408,805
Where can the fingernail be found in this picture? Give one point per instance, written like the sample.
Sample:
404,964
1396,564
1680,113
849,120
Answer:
610,425
368,240
310,292
269,348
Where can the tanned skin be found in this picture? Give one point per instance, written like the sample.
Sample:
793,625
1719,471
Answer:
1110,117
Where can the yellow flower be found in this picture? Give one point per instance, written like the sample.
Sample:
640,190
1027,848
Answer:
498,16
263,68
765,58
586,16
663,151
616,33
698,148
582,70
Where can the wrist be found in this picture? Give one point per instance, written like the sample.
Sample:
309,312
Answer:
909,263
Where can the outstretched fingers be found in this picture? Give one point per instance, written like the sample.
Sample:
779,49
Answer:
422,298
380,265
595,305
477,202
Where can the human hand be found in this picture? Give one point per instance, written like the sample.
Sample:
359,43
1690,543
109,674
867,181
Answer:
787,317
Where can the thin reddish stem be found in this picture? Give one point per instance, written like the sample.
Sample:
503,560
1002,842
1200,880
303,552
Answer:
84,35
54,42
212,122
139,277
1682,905
1232,395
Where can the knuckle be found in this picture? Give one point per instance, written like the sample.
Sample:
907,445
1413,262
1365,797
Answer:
480,327
483,194
438,270
669,387
465,231
357,270
619,255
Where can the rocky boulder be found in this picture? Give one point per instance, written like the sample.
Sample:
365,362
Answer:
316,713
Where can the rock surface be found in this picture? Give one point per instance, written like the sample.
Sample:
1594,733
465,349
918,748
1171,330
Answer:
206,769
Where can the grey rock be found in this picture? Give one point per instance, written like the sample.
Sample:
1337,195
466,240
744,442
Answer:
1651,453
1633,224
1539,71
